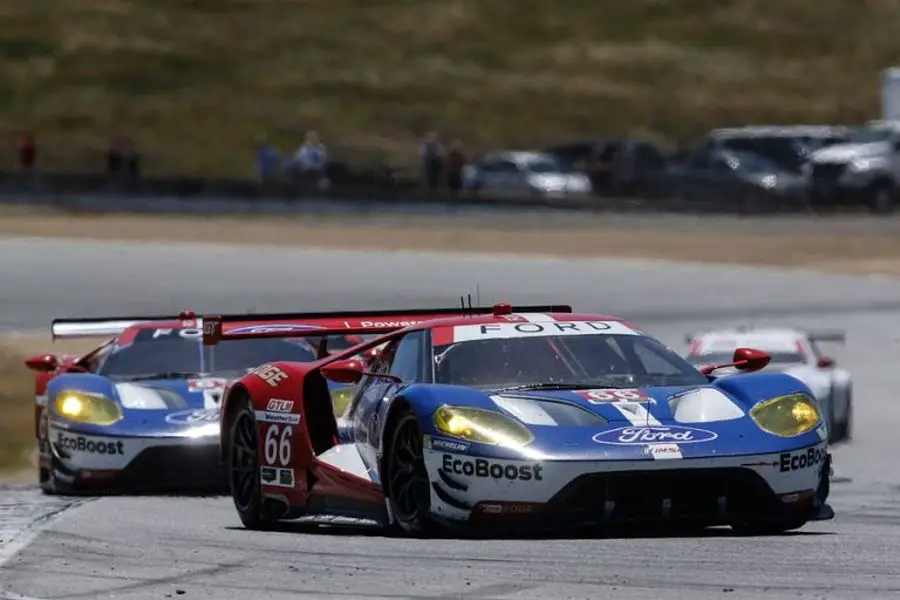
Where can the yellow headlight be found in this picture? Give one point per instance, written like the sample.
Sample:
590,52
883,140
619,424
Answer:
481,426
786,416
340,398
84,407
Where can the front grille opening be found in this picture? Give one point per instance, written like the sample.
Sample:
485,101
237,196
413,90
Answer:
715,495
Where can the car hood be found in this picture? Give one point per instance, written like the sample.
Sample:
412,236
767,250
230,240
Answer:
705,421
171,407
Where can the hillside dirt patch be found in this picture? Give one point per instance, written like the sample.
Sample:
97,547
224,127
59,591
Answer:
196,83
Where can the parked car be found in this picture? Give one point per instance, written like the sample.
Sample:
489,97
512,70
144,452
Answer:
863,170
713,176
788,146
614,166
518,173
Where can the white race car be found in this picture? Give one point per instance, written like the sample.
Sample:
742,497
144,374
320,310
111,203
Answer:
793,351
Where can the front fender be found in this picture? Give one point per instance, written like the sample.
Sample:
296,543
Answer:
753,388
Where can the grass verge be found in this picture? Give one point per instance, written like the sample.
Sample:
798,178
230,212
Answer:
195,81
17,441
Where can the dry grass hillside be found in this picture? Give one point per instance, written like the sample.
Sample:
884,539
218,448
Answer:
196,81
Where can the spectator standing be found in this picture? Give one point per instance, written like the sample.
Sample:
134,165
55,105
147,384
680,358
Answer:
311,160
267,160
456,162
431,156
27,151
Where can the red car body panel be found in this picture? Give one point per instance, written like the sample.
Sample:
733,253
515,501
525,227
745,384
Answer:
285,381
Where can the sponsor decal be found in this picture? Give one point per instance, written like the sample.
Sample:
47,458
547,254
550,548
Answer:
627,436
188,333
272,417
433,443
80,443
485,469
270,374
822,432
796,461
603,396
194,416
551,327
277,477
286,477
663,451
381,324
276,405
275,328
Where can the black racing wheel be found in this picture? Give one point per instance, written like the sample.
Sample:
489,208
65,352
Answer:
244,469
406,481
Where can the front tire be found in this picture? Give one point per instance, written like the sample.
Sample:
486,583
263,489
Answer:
406,480
244,469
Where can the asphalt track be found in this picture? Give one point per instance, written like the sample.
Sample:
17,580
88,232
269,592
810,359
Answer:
136,548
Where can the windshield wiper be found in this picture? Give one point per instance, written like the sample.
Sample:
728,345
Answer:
166,375
551,385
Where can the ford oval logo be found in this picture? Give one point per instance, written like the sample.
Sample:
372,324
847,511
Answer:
276,328
628,436
197,415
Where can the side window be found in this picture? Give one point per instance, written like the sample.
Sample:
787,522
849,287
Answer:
407,358
94,362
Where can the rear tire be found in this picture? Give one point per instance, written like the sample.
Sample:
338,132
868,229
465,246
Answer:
244,469
406,480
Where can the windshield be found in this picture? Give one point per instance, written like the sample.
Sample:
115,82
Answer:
867,135
778,358
543,165
181,351
605,360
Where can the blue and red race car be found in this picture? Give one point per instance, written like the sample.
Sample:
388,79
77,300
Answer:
140,412
527,417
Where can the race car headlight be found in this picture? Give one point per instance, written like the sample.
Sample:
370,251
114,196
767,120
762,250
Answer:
786,416
85,407
341,397
481,426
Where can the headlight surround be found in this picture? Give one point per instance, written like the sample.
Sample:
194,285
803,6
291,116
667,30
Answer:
787,416
85,407
481,426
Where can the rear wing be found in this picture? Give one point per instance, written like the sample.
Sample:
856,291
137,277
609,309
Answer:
106,326
340,322
814,335
831,335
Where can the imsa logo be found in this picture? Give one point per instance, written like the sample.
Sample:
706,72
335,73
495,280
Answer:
484,469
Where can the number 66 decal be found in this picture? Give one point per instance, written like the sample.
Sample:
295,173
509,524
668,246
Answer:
278,445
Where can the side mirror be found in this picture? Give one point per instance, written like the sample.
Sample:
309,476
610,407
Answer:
43,363
743,359
825,363
750,359
343,371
